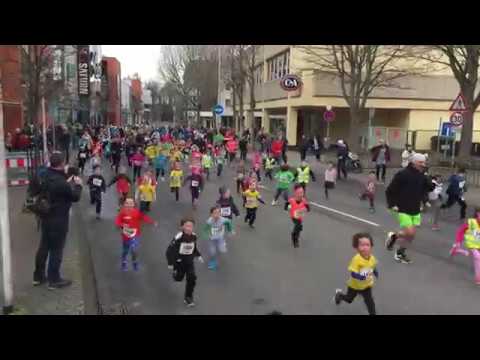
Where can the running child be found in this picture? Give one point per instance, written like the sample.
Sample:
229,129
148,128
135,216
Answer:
215,229
196,185
227,205
298,206
435,200
176,176
284,179
468,235
151,152
303,175
160,165
369,190
330,178
123,184
138,159
207,163
241,173
129,219
362,268
82,157
219,159
146,193
97,185
269,165
180,258
252,198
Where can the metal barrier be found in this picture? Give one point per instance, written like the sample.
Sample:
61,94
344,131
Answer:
22,166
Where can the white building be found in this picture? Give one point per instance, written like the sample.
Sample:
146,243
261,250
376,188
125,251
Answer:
126,101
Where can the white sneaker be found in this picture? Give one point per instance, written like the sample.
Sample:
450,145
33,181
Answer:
163,179
274,203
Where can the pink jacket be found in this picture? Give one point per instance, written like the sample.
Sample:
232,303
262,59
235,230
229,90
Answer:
331,175
138,159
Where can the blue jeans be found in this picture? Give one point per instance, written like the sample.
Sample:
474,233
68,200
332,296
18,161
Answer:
130,247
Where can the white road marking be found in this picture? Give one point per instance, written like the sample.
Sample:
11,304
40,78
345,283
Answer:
333,210
344,214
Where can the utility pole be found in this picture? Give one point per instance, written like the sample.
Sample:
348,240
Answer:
218,119
5,221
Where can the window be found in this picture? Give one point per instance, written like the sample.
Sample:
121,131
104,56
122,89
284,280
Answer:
259,75
278,66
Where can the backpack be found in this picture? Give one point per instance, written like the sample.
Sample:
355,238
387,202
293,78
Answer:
40,202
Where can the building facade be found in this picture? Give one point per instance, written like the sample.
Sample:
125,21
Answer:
112,86
409,113
126,102
11,92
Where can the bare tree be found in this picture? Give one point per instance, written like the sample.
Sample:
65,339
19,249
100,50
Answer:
360,69
154,88
464,62
39,76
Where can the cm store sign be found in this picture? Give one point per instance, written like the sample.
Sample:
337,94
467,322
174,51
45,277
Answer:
83,70
290,82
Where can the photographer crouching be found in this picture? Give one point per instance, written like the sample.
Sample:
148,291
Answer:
55,192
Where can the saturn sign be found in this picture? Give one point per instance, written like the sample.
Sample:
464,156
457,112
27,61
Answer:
290,82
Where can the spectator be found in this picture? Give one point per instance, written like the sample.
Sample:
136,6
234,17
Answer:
304,146
381,157
62,192
317,146
342,155
407,155
65,140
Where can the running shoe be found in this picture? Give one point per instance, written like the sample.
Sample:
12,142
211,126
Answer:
163,179
274,203
372,210
251,226
189,302
402,257
124,266
336,298
454,250
390,241
212,265
38,282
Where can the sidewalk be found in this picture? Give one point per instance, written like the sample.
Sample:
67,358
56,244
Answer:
472,196
25,238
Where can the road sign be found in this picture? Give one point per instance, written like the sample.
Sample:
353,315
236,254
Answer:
459,104
218,109
447,129
456,119
329,115
290,82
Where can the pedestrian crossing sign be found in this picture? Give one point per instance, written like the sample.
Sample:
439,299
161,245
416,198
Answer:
459,104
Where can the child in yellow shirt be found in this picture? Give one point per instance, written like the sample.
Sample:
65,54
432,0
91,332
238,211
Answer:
147,194
176,179
362,268
252,198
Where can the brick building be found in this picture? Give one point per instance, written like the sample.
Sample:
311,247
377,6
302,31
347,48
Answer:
113,86
10,87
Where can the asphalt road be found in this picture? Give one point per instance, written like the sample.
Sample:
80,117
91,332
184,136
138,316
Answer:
262,272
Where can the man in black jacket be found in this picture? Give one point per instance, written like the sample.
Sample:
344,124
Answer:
242,144
62,192
404,196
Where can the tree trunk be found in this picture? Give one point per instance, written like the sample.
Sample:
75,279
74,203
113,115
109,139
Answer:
353,142
466,139
234,107
241,111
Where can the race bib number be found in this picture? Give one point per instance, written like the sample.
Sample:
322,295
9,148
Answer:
367,272
251,201
97,182
83,156
129,232
195,183
225,211
217,231
186,248
299,213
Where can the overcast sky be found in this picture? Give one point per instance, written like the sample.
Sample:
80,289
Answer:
136,58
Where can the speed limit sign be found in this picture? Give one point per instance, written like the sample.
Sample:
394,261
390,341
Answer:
456,119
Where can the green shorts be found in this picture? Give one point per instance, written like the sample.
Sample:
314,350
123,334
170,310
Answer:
407,220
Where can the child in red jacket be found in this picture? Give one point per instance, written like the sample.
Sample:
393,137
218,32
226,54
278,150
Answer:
129,219
123,186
